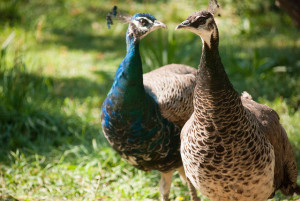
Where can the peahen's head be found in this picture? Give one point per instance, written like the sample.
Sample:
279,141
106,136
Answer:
203,24
142,24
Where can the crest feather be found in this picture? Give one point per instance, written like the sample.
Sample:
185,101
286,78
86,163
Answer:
213,6
118,15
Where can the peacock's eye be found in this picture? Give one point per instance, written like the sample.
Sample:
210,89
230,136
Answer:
144,22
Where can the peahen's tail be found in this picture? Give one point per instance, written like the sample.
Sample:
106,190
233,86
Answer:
297,190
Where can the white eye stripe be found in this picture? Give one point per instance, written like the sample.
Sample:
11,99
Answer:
139,26
149,21
195,19
185,22
208,21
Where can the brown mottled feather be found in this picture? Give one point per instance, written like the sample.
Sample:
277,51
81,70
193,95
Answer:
172,86
285,175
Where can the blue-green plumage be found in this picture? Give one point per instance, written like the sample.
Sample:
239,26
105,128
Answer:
131,118
109,21
114,11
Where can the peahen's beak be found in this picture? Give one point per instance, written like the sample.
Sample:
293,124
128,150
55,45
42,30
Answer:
185,24
157,24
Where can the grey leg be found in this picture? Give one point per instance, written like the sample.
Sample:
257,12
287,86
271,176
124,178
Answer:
184,179
182,174
165,185
193,191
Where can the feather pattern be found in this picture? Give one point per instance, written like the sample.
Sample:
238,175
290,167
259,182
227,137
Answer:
172,87
232,147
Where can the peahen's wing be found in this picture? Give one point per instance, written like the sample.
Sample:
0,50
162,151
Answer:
172,87
285,174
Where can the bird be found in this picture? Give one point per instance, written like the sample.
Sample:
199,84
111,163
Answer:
142,115
232,147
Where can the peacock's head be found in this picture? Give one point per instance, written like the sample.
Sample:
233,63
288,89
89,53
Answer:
142,24
203,24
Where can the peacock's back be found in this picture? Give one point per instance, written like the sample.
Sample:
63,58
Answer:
172,87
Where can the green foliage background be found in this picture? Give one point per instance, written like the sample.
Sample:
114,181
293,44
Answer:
58,60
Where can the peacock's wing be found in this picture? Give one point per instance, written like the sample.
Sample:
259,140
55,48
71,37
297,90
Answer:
172,87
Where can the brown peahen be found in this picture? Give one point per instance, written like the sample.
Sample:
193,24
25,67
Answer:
232,147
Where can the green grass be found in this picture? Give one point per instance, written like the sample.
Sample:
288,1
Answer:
58,66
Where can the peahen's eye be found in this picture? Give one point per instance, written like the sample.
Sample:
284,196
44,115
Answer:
198,21
144,22
201,20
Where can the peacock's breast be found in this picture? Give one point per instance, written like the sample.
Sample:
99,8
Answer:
144,139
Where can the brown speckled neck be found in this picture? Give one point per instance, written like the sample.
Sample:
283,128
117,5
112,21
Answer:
212,83
211,73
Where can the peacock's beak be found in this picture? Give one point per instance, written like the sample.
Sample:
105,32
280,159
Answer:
157,24
185,24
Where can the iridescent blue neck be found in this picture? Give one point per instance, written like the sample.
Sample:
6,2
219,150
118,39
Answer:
128,85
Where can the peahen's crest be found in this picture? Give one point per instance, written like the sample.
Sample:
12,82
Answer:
213,6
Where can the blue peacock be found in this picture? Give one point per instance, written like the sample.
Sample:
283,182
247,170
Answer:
142,115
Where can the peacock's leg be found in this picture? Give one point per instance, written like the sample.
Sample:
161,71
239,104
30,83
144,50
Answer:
165,185
182,174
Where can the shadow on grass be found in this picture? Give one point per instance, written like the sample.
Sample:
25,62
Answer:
60,88
41,124
80,87
43,130
87,41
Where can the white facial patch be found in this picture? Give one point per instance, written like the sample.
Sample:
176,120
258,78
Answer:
206,36
140,27
204,33
208,21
